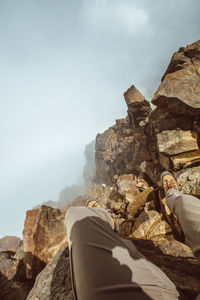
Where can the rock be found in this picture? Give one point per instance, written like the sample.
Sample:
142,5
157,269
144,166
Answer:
125,229
138,107
43,234
115,195
172,220
179,91
13,282
151,170
141,184
165,161
129,198
127,185
149,206
132,95
138,202
185,160
145,223
173,265
177,141
9,243
189,181
117,206
54,282
123,147
173,247
114,152
159,231
19,254
162,120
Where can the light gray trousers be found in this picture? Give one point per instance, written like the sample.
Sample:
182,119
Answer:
107,267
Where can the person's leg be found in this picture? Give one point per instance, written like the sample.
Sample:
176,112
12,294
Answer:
106,267
187,209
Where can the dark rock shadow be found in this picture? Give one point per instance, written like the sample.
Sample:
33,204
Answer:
184,272
54,281
13,281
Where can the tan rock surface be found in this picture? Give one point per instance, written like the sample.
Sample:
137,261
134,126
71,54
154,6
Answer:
177,141
114,151
160,230
127,185
185,160
133,95
189,181
173,247
138,202
179,91
145,223
43,236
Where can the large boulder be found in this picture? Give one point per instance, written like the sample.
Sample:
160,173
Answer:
54,282
179,91
186,160
127,184
137,202
149,225
177,141
43,234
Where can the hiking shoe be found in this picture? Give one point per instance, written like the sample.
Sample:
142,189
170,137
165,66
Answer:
168,181
94,203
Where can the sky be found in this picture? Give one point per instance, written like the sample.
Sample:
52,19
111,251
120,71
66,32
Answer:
64,66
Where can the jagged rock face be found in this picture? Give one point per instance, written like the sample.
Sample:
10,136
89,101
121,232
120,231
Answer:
179,91
43,235
54,282
138,107
122,148
9,243
13,282
114,151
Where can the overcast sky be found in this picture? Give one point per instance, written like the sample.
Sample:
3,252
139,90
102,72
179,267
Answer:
64,66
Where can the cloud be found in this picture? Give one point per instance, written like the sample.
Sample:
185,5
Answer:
115,15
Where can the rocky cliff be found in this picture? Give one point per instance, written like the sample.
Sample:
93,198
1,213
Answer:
168,137
129,158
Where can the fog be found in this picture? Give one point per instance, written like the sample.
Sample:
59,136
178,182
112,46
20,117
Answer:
64,68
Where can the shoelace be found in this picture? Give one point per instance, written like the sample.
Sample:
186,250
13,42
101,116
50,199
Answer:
171,184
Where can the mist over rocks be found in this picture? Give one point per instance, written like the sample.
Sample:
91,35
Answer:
129,158
70,193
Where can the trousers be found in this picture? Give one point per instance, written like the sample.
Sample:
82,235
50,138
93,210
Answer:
107,267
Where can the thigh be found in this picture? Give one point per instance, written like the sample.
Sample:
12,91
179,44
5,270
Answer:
104,266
